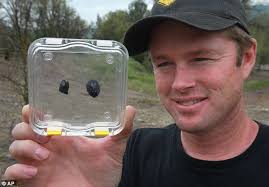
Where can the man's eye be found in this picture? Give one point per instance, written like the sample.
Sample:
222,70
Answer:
163,64
201,59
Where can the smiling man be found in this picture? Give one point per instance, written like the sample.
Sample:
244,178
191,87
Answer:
202,53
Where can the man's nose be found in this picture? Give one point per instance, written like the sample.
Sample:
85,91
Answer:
184,79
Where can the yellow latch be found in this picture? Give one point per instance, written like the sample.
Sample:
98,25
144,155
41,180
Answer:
54,131
101,131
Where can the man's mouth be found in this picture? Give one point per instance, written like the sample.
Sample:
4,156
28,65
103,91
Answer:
189,103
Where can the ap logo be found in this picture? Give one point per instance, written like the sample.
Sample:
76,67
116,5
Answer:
7,183
3,183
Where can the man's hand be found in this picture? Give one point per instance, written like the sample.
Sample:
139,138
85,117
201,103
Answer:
67,161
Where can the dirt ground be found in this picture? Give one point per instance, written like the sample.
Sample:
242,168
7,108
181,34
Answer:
149,112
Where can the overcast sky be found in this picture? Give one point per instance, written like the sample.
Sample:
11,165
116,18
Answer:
88,9
262,1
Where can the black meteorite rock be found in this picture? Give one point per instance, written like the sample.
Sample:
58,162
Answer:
64,87
93,88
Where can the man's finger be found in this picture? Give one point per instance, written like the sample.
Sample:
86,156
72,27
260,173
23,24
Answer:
128,123
28,149
19,172
25,113
23,131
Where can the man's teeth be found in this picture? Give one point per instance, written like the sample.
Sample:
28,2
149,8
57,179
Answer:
188,103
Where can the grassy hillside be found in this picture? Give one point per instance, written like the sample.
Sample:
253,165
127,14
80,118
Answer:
139,79
254,85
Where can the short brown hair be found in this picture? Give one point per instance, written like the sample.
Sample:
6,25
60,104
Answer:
242,39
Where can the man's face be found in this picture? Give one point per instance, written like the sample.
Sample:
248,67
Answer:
196,76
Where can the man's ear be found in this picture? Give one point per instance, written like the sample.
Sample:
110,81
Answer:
249,59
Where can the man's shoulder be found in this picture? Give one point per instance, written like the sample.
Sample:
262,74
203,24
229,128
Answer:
169,127
263,127
155,132
263,124
150,137
263,130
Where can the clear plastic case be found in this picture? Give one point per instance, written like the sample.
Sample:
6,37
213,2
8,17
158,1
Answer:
77,87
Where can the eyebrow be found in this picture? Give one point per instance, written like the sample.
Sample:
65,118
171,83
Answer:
188,54
202,52
158,58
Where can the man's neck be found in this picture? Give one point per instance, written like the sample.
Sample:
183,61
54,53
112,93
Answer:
227,142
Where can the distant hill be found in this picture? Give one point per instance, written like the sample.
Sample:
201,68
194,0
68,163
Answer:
257,10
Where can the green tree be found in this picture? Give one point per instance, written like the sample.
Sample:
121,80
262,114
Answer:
91,30
137,10
112,26
27,20
55,18
246,3
259,29
18,16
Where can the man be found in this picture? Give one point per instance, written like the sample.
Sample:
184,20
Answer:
201,53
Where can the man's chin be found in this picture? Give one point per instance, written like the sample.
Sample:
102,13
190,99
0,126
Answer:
191,126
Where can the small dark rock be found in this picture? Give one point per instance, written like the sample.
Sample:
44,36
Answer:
93,88
64,87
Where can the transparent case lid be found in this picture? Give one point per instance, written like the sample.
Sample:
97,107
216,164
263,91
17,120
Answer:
77,87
